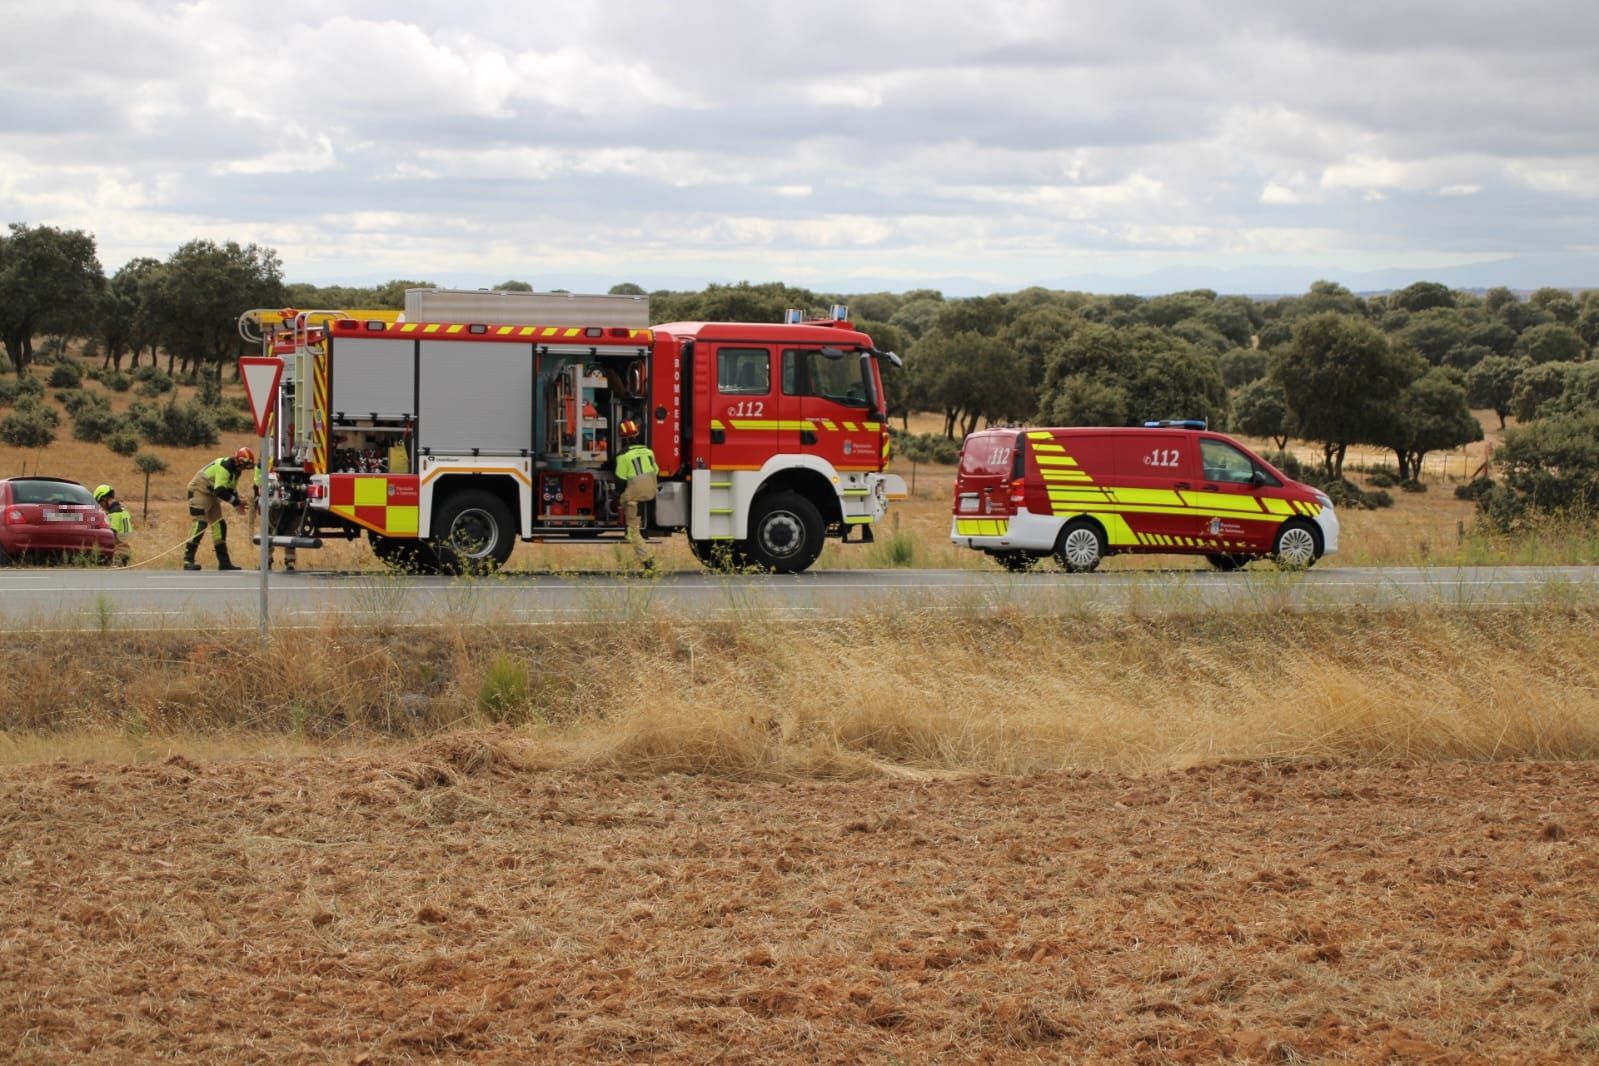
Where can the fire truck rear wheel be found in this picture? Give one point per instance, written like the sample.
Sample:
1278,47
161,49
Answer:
1081,546
473,533
785,533
405,555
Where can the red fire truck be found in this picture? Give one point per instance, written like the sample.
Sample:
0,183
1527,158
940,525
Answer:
445,442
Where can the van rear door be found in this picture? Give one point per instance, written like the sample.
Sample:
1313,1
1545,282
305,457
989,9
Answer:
987,465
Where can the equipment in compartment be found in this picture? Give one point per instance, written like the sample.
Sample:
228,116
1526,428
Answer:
367,448
566,496
578,418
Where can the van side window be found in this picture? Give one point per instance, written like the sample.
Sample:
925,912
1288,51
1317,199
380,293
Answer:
744,371
1223,462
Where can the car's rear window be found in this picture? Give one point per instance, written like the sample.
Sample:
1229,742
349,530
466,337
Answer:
49,492
989,453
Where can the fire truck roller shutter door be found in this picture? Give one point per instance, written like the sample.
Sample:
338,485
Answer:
475,398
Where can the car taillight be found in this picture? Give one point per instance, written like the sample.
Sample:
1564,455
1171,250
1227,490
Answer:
13,515
1018,491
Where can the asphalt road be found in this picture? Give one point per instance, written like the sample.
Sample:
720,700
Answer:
74,599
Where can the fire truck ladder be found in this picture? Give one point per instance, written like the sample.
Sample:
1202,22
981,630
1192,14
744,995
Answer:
719,500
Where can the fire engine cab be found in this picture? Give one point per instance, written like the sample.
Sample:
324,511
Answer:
447,441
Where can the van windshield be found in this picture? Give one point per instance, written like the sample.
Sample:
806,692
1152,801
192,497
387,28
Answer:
990,454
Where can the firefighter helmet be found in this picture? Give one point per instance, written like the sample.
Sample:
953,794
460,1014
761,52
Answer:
628,428
244,457
102,491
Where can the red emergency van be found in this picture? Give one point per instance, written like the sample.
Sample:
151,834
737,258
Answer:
1081,494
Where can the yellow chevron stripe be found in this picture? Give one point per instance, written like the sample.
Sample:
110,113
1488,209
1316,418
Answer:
1155,497
1222,501
981,527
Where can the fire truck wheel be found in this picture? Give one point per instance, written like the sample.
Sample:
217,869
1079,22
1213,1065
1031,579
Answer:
785,533
1298,545
1081,547
723,556
405,555
473,533
1016,562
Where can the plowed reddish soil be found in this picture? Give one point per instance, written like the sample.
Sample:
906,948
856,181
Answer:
449,905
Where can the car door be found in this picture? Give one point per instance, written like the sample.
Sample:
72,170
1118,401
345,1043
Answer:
1231,499
1155,469
827,391
745,408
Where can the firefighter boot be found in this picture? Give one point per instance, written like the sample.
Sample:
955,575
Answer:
223,562
188,559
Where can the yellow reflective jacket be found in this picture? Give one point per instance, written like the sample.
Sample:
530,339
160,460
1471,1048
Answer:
118,518
217,478
636,461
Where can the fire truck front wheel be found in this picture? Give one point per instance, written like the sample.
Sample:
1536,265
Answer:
785,533
473,533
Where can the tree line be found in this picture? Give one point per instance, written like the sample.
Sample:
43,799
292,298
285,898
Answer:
1399,370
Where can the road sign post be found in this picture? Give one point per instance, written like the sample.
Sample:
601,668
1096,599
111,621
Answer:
262,376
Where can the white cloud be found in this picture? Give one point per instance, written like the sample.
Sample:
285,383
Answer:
925,138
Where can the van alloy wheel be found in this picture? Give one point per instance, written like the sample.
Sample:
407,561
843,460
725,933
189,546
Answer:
1082,547
1297,546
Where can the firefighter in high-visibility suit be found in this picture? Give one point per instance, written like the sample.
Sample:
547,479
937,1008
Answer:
120,521
637,469
216,483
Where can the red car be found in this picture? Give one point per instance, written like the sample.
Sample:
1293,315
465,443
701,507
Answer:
51,517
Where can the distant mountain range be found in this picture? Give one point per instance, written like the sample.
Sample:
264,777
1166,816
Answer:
1522,273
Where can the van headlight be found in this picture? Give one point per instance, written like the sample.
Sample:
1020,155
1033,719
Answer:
1324,499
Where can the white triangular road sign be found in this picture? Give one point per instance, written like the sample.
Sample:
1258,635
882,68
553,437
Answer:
261,376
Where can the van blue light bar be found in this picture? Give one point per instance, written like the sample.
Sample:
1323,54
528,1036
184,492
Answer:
1177,423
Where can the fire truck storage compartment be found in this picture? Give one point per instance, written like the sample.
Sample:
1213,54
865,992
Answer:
566,497
476,398
578,415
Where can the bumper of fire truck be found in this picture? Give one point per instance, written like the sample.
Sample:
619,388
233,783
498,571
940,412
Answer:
864,498
1023,531
885,489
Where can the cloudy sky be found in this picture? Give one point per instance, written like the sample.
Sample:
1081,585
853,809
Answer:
1011,141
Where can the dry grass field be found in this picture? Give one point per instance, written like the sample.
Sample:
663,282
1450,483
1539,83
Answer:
977,835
